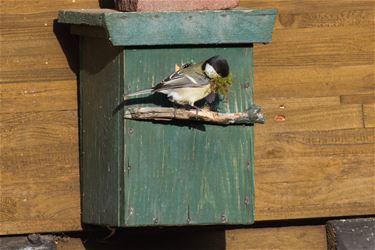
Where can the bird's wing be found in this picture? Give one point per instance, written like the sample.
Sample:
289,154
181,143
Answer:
182,79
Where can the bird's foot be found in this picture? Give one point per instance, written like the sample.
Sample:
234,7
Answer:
175,106
197,109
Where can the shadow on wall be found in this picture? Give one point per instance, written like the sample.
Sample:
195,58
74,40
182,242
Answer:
107,4
68,43
183,239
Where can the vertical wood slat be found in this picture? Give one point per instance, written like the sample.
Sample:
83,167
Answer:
100,131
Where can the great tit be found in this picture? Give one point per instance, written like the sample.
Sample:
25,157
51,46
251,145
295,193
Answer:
191,83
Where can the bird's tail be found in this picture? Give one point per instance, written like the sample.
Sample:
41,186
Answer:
141,92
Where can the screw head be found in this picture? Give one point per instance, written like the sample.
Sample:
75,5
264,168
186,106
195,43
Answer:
223,218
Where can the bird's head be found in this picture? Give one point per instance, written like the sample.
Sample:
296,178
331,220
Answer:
215,67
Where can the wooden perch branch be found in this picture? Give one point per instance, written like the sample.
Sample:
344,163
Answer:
251,116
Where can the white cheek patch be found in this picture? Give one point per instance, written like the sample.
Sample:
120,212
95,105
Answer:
210,71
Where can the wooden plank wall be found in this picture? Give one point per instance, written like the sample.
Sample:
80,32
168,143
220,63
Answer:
318,74
314,156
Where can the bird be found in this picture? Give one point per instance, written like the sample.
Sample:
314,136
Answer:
191,83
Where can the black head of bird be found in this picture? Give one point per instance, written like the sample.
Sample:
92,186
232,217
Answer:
216,66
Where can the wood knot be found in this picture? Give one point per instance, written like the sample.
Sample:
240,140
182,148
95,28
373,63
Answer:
286,20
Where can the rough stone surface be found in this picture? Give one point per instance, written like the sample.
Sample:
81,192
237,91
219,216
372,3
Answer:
351,234
174,5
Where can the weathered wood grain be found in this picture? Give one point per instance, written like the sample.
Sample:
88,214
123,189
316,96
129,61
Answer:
334,50
330,17
314,199
70,243
312,80
336,25
369,115
36,128
35,60
38,96
311,118
17,6
283,103
301,237
312,174
325,47
39,180
286,156
321,13
32,46
307,7
358,99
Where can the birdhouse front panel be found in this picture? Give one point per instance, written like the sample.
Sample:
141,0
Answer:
189,173
144,173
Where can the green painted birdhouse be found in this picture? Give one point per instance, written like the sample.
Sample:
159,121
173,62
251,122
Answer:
171,173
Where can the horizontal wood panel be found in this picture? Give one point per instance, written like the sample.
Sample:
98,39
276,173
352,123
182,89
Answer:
35,60
307,6
301,237
62,158
311,174
332,49
338,46
30,7
314,156
286,103
313,118
285,114
38,128
369,115
32,208
358,99
38,96
313,143
314,199
33,47
313,81
319,17
342,38
314,168
37,75
39,172
30,47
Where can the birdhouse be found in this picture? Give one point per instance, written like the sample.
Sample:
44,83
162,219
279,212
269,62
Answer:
163,173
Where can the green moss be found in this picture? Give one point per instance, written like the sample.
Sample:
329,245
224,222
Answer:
221,85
